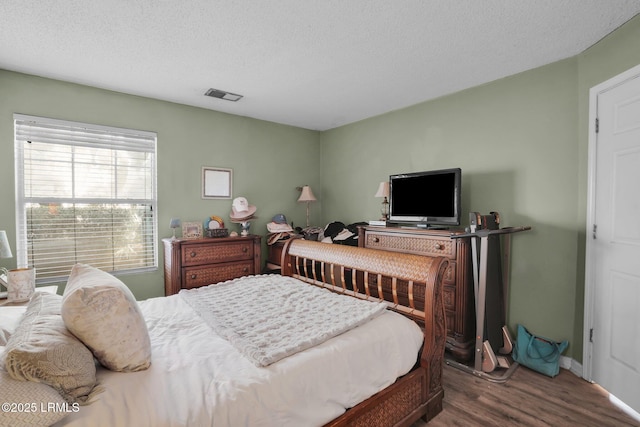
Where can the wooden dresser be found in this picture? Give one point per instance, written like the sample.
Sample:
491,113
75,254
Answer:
190,263
458,280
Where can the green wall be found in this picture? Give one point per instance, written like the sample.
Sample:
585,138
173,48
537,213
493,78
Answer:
516,141
520,141
522,145
268,160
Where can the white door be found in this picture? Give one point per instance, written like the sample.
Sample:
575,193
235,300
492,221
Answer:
615,250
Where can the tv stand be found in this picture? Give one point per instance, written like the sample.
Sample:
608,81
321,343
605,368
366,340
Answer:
458,279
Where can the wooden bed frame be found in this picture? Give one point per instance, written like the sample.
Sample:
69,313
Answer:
412,286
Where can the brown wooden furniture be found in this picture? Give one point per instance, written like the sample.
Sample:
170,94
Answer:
458,280
419,393
274,255
190,263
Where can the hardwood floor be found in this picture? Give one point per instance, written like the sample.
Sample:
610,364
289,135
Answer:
526,399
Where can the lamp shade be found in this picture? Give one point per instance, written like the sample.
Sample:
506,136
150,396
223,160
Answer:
383,189
5,249
306,195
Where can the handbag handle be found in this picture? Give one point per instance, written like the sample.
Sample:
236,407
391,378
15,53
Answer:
546,357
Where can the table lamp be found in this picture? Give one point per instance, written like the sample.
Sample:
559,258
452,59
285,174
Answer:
383,191
174,223
306,195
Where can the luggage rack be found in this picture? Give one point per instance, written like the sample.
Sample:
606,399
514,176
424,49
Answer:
487,264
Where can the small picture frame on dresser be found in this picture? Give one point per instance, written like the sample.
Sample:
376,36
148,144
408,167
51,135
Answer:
191,230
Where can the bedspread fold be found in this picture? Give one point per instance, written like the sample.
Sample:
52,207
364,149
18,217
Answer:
269,317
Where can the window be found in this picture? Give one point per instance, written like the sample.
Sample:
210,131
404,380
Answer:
84,193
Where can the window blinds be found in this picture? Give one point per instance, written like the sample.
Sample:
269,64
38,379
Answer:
84,193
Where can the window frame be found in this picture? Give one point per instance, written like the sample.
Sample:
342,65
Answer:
144,137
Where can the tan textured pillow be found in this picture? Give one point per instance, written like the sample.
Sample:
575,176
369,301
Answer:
30,404
43,350
102,312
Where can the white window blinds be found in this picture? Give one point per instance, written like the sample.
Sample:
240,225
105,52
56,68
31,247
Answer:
84,193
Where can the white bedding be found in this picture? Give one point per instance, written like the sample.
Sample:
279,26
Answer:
9,319
199,379
269,317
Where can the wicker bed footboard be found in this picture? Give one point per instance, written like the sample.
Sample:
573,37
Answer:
412,286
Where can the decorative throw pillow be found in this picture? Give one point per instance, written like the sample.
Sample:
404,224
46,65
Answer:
42,350
103,313
30,404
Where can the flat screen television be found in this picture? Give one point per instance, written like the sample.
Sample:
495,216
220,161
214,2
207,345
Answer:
426,199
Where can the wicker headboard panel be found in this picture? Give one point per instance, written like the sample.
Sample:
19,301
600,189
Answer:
371,274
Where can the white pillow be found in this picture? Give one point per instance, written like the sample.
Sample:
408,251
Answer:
42,350
103,313
30,404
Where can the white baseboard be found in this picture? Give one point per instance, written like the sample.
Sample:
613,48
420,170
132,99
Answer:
576,368
572,365
624,407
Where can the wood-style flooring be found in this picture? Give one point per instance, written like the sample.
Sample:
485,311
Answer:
526,399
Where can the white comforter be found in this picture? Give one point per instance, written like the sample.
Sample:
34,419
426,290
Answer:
198,379
269,317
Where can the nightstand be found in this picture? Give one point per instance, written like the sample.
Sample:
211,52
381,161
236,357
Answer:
274,256
46,289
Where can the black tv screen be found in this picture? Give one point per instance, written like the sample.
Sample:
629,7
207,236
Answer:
426,198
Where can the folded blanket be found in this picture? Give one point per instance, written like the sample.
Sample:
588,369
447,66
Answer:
270,317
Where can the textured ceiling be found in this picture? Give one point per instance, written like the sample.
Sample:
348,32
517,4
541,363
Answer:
316,64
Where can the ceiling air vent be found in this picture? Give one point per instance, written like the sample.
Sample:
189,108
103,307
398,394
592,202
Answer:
217,93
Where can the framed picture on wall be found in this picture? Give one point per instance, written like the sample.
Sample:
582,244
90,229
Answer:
217,183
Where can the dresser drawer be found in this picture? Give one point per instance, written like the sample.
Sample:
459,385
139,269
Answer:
189,263
421,245
211,253
193,277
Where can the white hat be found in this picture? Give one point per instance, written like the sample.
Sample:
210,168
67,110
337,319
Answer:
275,227
241,209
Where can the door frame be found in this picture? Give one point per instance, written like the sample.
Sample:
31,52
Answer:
589,303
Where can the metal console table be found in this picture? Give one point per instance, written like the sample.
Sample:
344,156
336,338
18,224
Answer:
484,229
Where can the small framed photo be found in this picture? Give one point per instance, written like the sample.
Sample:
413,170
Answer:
216,183
191,230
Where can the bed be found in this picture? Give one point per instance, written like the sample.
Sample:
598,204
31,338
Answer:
385,371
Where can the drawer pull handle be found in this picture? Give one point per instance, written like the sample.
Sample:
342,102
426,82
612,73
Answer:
376,240
245,249
439,246
194,276
193,253
245,270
